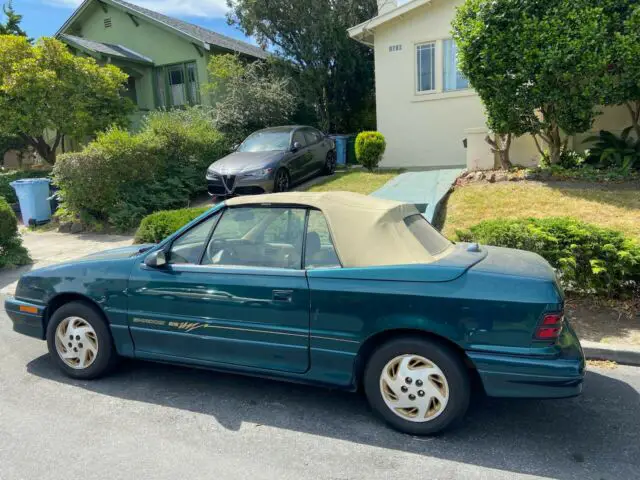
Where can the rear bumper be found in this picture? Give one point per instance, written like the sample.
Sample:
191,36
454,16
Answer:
27,318
560,376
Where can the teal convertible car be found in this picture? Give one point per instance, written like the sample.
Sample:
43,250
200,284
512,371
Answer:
333,289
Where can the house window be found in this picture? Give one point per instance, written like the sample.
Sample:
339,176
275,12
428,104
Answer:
452,77
177,85
426,66
130,91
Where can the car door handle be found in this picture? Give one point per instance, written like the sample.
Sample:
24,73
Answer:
283,296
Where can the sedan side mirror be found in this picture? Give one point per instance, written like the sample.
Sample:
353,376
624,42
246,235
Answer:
235,147
296,146
157,259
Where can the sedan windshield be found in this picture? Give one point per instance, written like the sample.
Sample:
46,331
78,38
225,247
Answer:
266,142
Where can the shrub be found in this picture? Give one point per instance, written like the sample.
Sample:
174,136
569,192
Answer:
12,253
588,258
160,225
7,191
370,147
569,159
121,177
610,151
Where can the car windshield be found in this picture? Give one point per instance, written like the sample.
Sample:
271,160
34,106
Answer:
266,142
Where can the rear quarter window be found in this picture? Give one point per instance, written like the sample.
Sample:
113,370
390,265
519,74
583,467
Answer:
430,238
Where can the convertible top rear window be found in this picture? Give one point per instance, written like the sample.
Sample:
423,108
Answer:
429,237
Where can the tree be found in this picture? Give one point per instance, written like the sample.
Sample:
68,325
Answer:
538,65
248,96
336,73
12,24
46,93
623,73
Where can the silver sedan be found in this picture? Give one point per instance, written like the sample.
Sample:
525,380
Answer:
272,160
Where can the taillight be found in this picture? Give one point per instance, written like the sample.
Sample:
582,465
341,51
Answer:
550,327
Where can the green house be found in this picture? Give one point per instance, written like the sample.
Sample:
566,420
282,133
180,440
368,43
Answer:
166,58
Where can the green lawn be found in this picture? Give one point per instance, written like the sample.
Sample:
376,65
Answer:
359,181
608,206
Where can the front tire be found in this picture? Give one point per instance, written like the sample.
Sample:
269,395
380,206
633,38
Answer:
281,181
80,342
418,386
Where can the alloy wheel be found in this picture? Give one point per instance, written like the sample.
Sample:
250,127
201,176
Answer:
330,165
414,388
282,181
76,343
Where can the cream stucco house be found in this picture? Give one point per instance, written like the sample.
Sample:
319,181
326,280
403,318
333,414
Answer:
425,107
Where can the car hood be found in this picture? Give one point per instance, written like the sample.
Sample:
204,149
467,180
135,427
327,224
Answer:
118,253
239,162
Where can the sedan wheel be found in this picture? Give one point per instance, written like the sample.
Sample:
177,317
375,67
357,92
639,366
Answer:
80,342
330,163
418,386
281,182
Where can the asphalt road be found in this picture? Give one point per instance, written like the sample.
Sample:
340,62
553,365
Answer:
151,421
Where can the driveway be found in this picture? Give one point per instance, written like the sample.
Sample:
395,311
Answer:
152,421
48,248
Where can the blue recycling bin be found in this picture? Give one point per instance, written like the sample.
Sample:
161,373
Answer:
341,148
33,195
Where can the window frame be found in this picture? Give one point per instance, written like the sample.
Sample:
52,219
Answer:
455,67
164,70
418,65
221,212
439,90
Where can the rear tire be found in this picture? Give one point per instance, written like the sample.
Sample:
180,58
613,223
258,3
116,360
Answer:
330,163
417,386
80,342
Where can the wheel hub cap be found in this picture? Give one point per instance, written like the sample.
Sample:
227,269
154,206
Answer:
414,388
76,343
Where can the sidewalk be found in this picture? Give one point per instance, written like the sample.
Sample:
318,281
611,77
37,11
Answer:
48,248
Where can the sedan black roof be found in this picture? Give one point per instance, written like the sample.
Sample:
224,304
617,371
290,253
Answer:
283,128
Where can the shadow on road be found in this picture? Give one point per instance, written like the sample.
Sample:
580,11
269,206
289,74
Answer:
534,437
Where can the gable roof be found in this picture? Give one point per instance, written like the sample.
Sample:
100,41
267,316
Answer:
204,37
364,32
109,49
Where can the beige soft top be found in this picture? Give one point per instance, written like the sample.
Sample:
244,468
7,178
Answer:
366,231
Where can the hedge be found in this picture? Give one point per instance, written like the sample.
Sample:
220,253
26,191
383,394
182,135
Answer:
160,225
7,191
12,253
121,177
588,258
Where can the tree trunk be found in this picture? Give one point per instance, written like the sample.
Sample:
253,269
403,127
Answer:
48,153
553,139
500,147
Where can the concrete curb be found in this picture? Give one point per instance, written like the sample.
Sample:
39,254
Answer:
626,355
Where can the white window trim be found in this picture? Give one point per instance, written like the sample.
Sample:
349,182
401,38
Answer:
434,73
438,92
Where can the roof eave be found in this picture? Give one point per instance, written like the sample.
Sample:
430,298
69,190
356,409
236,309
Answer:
162,25
364,32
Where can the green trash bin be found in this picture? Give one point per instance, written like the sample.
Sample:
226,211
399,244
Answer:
351,150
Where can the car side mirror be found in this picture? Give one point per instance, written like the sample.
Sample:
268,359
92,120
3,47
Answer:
157,259
296,146
235,147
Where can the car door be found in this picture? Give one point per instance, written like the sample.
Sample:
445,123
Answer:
314,142
233,292
301,159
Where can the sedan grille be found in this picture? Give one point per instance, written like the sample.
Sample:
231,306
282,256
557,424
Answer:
229,182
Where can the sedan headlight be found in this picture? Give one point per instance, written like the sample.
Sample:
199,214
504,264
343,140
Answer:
211,174
261,173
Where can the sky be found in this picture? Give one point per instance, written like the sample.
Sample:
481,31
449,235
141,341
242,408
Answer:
45,17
